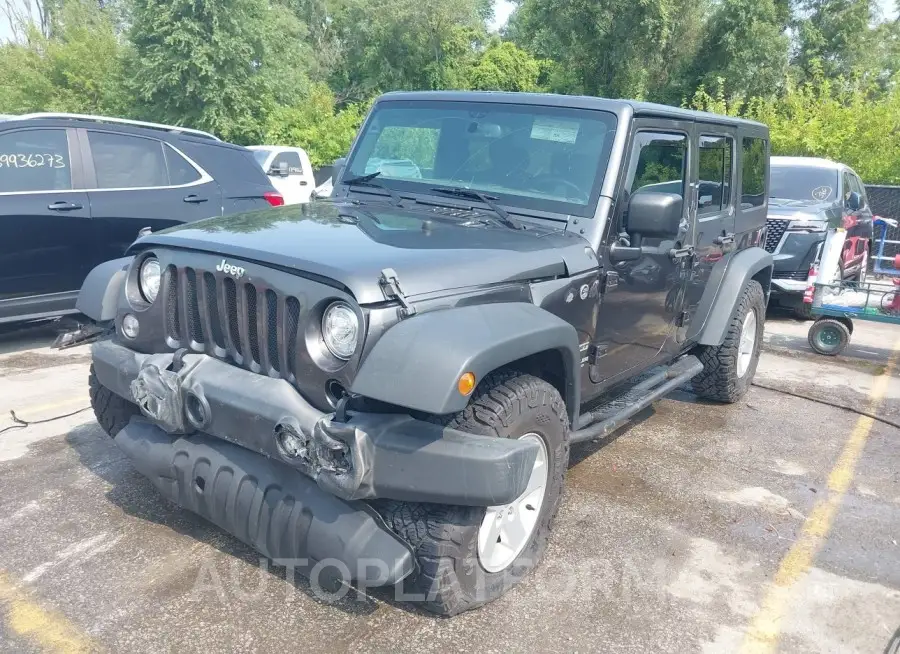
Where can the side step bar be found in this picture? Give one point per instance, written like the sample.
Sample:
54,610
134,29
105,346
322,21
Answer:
608,417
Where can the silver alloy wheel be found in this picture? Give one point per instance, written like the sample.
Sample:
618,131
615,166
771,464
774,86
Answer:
507,529
747,344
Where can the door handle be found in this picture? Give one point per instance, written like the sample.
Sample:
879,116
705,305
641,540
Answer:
195,199
683,253
724,240
303,182
64,206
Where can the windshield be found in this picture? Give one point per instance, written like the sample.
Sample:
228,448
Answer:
261,156
803,184
541,158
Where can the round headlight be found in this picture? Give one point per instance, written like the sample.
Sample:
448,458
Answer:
340,330
148,279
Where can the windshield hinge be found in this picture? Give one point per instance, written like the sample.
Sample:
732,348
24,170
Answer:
390,285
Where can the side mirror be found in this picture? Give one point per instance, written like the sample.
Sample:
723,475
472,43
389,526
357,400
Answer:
655,215
854,202
281,169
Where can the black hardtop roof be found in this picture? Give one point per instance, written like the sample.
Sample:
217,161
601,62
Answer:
619,107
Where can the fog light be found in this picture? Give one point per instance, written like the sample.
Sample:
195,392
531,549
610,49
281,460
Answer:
130,326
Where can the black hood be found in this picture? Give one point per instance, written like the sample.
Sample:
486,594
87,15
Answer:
808,210
351,244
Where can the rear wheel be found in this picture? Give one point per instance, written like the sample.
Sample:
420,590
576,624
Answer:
729,368
469,556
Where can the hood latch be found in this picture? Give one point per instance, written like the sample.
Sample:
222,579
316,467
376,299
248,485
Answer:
390,286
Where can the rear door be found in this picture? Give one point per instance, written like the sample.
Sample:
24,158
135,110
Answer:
243,183
140,181
714,176
45,227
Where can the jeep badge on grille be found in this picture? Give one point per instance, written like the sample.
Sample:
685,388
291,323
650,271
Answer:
228,269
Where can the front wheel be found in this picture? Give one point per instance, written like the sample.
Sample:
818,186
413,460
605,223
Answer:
469,556
728,369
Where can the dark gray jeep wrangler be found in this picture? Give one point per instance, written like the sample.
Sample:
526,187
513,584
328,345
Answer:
382,388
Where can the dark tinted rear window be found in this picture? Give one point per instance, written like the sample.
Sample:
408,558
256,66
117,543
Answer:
231,166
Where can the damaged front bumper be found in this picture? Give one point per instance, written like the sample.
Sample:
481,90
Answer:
369,456
267,505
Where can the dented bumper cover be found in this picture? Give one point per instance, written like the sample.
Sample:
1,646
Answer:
369,456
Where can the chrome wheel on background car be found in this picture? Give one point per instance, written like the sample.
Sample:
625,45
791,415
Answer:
507,529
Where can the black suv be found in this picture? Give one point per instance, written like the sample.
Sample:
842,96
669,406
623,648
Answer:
76,190
809,196
383,387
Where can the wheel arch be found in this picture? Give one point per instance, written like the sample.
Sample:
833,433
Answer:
723,292
99,295
417,363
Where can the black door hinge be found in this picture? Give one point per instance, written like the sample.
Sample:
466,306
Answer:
597,352
610,282
390,286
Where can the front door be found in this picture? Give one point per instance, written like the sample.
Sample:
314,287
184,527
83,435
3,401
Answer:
45,226
636,322
142,182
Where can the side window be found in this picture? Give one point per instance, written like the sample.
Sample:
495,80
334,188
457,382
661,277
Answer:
292,159
34,160
861,189
658,163
753,165
847,186
124,161
180,171
716,156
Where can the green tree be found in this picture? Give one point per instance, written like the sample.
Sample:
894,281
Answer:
745,45
504,67
315,125
836,35
406,44
77,69
218,65
612,47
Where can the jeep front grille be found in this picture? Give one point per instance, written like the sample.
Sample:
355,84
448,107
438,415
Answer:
775,229
253,326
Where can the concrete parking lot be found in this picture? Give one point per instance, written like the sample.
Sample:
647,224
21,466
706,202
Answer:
771,525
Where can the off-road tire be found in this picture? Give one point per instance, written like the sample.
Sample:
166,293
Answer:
111,411
719,380
450,579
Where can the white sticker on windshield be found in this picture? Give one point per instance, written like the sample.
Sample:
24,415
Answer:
550,129
822,193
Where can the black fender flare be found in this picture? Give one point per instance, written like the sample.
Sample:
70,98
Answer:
723,293
417,363
99,295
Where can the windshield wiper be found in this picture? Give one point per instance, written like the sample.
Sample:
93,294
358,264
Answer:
367,180
505,218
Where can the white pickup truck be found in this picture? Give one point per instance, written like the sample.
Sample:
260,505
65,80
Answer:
288,169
